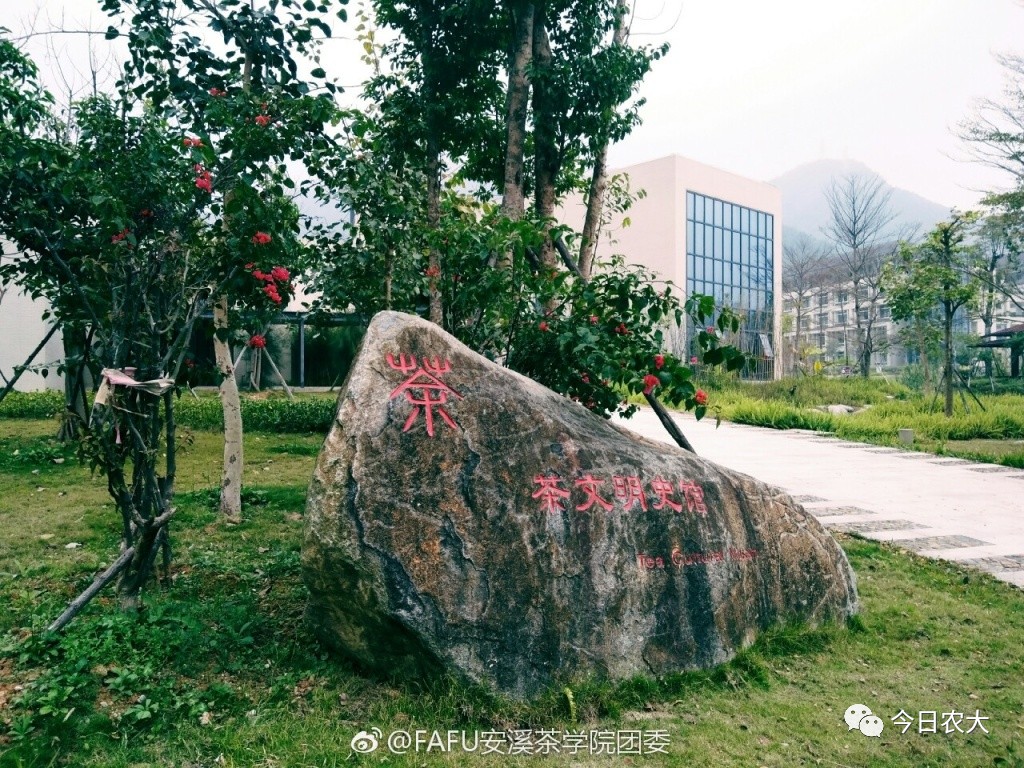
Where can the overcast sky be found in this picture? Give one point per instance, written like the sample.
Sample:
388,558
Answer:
759,87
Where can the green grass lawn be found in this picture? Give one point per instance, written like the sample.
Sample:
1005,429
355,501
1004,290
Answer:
219,669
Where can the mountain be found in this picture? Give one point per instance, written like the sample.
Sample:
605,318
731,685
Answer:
805,209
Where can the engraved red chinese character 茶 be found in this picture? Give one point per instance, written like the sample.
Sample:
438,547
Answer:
424,389
549,493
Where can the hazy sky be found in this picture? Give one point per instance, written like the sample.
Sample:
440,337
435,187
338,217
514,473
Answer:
759,87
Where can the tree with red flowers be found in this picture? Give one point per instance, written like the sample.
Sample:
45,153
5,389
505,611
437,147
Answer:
136,220
248,104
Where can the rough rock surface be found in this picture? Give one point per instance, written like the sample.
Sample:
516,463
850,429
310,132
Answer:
464,519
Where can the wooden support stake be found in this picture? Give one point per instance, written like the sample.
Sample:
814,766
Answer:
101,581
669,423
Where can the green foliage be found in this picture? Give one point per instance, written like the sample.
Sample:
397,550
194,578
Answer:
887,408
32,405
780,416
306,415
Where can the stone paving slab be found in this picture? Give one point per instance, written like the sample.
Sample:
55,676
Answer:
940,542
837,511
993,564
875,526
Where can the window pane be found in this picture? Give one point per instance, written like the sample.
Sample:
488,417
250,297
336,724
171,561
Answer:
720,243
718,213
698,247
689,237
689,205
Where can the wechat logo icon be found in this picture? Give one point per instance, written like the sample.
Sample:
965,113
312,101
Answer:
858,717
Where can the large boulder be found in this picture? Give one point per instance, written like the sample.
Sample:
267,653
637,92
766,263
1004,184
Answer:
464,519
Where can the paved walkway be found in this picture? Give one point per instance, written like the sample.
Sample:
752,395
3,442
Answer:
939,507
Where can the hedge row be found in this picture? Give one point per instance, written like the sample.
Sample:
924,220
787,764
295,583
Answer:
312,413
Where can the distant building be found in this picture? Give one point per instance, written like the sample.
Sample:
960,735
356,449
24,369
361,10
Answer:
825,315
22,327
710,232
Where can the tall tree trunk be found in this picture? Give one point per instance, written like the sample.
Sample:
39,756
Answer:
513,203
922,346
863,341
546,160
989,305
947,340
76,347
433,222
796,339
599,176
231,475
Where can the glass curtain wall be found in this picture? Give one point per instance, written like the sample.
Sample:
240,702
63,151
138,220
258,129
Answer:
729,255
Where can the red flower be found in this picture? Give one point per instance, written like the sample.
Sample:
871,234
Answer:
280,274
217,92
650,382
432,271
586,379
272,294
710,329
120,236
659,362
542,325
262,120
593,319
622,329
694,360
190,141
701,397
260,275
250,265
258,341
261,238
205,179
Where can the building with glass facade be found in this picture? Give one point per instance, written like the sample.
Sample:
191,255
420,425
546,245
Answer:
710,232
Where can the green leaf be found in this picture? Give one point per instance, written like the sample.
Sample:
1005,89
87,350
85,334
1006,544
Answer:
318,72
111,33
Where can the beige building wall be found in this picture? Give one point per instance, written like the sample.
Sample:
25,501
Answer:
655,234
22,327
